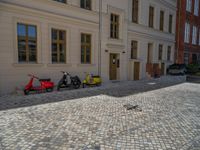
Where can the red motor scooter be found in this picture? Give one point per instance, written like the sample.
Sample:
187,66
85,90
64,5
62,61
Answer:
45,85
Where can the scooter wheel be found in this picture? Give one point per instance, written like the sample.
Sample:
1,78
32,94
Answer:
26,92
49,89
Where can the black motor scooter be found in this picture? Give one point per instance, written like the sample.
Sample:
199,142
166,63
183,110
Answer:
74,82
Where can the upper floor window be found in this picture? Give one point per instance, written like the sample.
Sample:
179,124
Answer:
135,9
161,20
114,26
151,16
58,42
194,35
189,5
27,42
160,51
170,23
196,7
134,48
86,48
62,1
187,33
86,4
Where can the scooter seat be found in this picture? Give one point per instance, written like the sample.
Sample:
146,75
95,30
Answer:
96,76
45,79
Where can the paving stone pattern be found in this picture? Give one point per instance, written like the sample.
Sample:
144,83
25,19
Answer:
169,120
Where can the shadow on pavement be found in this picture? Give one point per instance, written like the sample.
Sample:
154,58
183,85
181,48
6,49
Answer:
120,89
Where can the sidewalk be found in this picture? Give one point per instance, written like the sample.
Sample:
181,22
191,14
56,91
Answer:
118,89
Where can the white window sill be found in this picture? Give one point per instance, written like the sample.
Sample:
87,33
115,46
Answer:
86,65
27,65
59,65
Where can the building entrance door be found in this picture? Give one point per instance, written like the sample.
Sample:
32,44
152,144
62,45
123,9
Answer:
113,66
136,71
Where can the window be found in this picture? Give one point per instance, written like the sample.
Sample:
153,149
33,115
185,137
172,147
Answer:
194,35
187,33
189,5
170,23
194,58
151,16
134,47
86,4
169,53
85,48
149,53
196,7
160,50
135,11
62,1
114,26
186,58
58,46
161,20
27,42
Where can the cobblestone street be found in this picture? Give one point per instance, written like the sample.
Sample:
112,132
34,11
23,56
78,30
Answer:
94,118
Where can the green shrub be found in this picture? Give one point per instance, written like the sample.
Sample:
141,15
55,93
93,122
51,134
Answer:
193,68
198,74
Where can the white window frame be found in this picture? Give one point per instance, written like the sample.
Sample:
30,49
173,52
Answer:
196,7
194,35
189,5
187,33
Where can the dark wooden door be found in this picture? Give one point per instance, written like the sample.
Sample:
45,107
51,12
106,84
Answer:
113,66
136,70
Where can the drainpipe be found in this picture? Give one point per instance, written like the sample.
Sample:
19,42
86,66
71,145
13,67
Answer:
100,36
178,39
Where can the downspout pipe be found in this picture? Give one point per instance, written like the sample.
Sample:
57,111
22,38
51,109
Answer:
100,37
179,29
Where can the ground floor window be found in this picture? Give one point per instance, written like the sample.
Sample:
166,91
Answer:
169,53
160,51
186,58
194,58
134,48
58,46
27,42
85,48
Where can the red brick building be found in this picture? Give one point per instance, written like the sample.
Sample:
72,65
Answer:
188,32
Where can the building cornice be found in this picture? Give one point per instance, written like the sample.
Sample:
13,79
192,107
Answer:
13,7
153,35
172,4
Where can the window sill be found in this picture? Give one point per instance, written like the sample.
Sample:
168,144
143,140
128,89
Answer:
27,65
115,39
86,65
59,65
135,60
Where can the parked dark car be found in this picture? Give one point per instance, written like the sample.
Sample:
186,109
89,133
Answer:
177,69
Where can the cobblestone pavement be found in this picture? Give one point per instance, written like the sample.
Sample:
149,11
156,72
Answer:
169,120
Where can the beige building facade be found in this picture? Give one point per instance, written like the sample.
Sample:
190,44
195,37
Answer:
44,37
